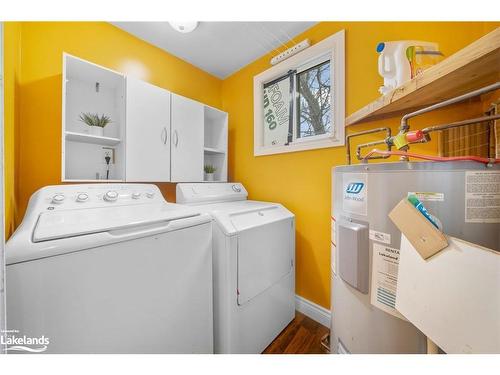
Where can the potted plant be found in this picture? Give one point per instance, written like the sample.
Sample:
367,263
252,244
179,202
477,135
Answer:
209,172
95,122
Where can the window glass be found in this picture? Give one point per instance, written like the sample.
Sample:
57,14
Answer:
277,102
314,101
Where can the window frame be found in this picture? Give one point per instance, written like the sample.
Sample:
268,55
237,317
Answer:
331,48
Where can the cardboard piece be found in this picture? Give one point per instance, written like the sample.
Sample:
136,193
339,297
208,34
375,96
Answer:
425,237
452,298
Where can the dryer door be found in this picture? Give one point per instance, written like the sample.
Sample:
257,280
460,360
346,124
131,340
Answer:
266,250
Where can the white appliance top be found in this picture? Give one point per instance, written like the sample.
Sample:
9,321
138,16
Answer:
227,203
66,218
198,193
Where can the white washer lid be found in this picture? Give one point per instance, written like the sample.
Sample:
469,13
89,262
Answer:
70,223
240,215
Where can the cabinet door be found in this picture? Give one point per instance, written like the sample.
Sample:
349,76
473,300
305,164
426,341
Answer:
148,132
187,140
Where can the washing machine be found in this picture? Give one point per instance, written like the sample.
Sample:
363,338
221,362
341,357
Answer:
109,268
253,265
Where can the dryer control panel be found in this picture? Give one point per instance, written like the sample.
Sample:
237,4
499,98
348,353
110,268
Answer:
210,192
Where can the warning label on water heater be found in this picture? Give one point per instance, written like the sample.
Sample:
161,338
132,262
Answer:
482,197
385,263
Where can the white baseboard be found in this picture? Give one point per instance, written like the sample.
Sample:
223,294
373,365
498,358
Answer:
312,310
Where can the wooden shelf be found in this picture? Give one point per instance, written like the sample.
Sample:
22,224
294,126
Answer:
94,139
210,150
471,68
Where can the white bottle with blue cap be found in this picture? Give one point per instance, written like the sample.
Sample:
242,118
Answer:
393,62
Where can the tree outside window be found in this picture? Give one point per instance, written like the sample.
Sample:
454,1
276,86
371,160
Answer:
314,101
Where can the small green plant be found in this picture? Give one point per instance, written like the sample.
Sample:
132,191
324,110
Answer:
209,168
93,119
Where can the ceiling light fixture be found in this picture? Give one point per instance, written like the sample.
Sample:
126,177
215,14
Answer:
184,27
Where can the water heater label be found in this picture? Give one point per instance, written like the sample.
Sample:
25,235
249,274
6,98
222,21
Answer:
384,283
428,196
482,197
355,193
375,235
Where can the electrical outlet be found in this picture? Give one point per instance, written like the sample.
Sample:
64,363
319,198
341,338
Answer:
108,151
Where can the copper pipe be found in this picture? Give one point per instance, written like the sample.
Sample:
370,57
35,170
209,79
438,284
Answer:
457,124
403,128
364,132
370,144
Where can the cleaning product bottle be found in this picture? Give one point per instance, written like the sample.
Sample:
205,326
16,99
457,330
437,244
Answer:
396,59
419,206
422,58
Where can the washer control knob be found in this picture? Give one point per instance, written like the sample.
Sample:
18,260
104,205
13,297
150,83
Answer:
58,198
136,195
111,196
82,197
150,194
236,188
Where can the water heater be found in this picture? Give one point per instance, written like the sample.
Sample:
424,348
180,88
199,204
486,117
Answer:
465,197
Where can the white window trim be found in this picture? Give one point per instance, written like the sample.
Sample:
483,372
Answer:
334,46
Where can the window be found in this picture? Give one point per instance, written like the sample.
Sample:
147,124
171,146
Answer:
314,101
299,103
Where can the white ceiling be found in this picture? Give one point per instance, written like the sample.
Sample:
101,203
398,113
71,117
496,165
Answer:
219,48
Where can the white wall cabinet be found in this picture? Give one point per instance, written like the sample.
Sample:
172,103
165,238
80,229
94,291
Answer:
154,136
187,139
148,132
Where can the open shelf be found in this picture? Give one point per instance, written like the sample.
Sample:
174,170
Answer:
471,68
94,139
219,161
215,128
88,87
215,141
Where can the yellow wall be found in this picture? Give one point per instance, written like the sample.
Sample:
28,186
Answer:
42,45
301,180
12,54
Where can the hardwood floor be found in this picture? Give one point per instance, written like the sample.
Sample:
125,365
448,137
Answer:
302,336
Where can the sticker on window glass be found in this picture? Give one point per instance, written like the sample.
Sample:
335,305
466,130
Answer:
277,112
